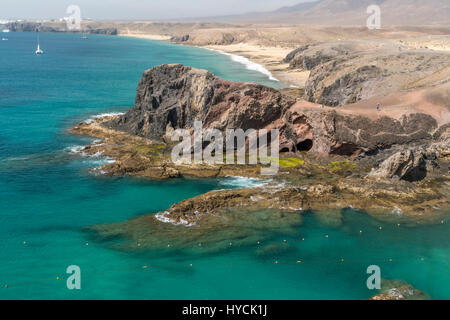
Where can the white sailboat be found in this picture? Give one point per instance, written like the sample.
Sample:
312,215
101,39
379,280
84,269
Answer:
39,50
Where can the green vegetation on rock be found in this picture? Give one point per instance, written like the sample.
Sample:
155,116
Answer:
341,166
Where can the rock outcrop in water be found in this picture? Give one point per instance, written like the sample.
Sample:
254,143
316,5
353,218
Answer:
174,96
399,290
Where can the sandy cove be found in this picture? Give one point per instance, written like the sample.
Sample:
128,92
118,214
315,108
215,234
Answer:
269,57
271,54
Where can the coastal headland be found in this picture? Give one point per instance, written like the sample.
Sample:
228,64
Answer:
392,165
331,158
364,122
327,177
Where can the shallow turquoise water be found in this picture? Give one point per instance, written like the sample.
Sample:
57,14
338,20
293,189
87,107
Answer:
47,196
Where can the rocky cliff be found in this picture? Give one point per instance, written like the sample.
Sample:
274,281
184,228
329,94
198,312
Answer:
335,133
344,72
174,96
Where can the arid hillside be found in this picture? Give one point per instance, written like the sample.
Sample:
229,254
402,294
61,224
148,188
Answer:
353,12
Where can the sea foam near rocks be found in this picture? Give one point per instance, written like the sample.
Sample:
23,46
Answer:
103,115
96,160
75,149
162,216
243,182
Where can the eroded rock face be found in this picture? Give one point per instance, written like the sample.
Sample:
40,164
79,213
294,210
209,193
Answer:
405,165
441,148
414,164
174,96
351,87
335,133
344,72
308,57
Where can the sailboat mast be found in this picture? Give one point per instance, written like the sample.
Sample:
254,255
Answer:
38,50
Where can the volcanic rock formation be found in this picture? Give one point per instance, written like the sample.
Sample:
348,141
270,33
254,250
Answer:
174,96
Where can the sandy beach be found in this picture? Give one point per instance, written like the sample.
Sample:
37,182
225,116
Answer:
157,37
269,57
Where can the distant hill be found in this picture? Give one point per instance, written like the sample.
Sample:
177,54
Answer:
351,12
297,7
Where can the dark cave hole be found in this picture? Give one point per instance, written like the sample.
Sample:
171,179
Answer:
346,149
172,117
305,145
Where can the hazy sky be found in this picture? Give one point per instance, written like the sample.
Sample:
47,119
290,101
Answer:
135,9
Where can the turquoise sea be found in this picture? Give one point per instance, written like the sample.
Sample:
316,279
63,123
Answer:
48,196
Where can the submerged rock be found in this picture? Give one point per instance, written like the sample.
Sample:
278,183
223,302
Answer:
213,233
399,290
274,250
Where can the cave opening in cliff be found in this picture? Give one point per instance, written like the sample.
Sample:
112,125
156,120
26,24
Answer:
305,145
346,149
172,118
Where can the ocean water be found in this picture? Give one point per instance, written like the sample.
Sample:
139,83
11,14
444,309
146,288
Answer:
48,196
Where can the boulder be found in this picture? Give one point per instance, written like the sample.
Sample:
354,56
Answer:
407,165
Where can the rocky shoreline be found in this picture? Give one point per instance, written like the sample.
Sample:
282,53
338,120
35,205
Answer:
393,166
302,183
400,172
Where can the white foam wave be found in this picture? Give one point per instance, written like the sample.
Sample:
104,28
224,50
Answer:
250,65
397,211
103,115
96,160
243,182
162,216
75,149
